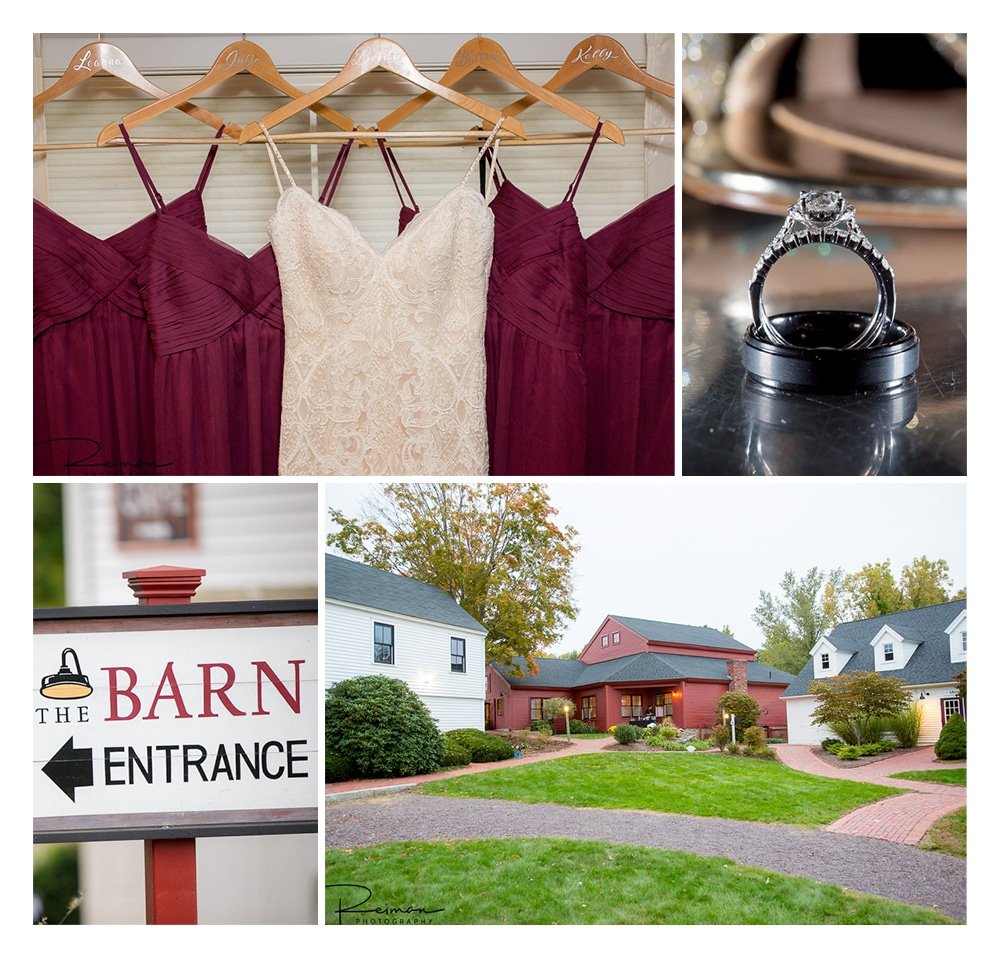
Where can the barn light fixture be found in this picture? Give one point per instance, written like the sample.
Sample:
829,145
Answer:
66,684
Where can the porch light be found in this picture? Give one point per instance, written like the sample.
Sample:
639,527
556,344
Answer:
66,684
922,696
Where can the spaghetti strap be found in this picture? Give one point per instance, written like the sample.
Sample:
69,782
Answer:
209,160
145,178
333,179
272,152
575,185
392,165
482,152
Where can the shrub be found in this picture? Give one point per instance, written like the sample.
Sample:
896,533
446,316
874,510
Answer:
650,735
951,741
744,707
753,738
537,725
557,708
765,754
698,744
668,731
544,733
382,726
482,746
720,736
455,756
626,734
733,748
579,727
338,768
827,742
57,884
906,725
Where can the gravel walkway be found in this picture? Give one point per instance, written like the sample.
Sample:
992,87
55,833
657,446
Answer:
867,865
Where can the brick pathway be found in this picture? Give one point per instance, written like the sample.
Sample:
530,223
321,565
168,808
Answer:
902,818
367,786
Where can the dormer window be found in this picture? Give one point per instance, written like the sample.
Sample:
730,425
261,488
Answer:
887,652
824,660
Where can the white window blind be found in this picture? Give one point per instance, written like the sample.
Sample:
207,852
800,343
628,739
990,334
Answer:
99,190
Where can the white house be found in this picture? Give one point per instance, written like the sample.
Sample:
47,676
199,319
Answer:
925,647
380,623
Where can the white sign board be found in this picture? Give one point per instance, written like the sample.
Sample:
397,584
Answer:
160,724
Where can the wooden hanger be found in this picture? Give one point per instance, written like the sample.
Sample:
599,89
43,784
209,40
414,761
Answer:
481,53
373,54
101,57
597,52
241,56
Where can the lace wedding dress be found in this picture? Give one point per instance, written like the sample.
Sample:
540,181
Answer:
385,370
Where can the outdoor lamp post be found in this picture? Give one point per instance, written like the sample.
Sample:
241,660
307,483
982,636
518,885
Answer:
566,713
731,717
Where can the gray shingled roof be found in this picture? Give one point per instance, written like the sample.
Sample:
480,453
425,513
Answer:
359,584
640,667
930,662
680,634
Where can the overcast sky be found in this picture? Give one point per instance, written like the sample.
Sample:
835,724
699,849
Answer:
700,553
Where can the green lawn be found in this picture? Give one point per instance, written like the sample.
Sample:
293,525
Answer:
563,881
690,784
947,835
943,776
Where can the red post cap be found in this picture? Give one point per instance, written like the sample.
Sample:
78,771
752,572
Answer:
164,584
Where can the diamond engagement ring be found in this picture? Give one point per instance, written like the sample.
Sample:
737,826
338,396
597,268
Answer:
824,216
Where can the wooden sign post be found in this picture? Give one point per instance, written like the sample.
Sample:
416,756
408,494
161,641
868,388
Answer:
168,721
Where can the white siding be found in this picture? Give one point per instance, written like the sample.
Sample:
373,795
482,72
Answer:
956,630
902,649
838,660
255,540
422,660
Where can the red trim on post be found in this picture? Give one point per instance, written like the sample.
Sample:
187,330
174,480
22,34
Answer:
164,584
171,882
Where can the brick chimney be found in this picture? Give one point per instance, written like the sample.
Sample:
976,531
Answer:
737,675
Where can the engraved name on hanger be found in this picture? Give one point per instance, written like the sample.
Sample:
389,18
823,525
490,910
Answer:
233,59
89,63
592,55
464,58
362,58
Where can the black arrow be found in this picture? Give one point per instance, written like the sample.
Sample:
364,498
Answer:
71,768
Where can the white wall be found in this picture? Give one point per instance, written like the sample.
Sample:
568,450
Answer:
422,660
800,729
255,540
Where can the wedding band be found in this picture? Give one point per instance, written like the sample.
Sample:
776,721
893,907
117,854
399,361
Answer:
824,216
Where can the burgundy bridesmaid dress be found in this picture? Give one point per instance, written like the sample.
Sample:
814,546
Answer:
579,338
217,331
93,360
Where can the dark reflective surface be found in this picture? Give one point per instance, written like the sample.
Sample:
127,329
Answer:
730,427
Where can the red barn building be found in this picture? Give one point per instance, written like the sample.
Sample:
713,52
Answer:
632,665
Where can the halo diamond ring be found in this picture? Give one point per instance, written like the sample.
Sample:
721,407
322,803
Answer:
824,216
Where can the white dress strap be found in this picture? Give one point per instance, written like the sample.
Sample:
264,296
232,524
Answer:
496,150
272,152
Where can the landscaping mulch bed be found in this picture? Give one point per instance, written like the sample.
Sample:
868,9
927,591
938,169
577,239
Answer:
836,762
534,746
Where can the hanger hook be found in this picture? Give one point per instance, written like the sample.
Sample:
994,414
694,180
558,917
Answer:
244,38
99,37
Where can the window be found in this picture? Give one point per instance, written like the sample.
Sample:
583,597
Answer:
887,652
499,708
535,710
950,707
965,641
824,660
385,644
631,706
664,704
458,655
588,708
604,641
155,513
616,638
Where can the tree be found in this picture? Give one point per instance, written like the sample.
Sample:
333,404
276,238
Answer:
874,590
558,708
950,745
494,547
795,620
858,700
961,678
573,654
745,707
